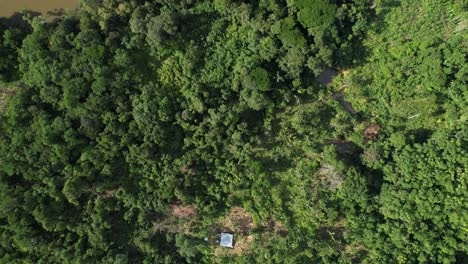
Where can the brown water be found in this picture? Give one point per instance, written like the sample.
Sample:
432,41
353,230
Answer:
9,7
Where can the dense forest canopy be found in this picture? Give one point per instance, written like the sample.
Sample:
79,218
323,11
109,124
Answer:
138,131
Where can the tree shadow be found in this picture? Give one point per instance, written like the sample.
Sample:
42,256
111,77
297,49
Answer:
19,20
56,12
418,136
374,180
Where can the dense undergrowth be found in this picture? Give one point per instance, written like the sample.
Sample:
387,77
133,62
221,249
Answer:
136,131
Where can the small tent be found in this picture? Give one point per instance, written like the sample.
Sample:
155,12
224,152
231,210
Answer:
227,240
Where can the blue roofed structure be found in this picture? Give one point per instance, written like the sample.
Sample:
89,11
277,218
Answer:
227,240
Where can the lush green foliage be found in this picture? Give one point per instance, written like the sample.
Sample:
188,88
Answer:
126,110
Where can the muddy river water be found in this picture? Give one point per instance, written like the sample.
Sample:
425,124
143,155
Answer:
9,7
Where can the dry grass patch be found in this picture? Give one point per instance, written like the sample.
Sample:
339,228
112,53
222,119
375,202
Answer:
180,219
181,211
240,224
238,221
330,177
277,228
4,94
355,252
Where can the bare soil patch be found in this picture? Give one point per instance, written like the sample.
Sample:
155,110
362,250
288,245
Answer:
109,193
371,132
238,220
334,232
181,211
355,252
277,227
180,219
239,223
241,246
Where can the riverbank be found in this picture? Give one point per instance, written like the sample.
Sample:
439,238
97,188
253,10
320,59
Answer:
48,8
